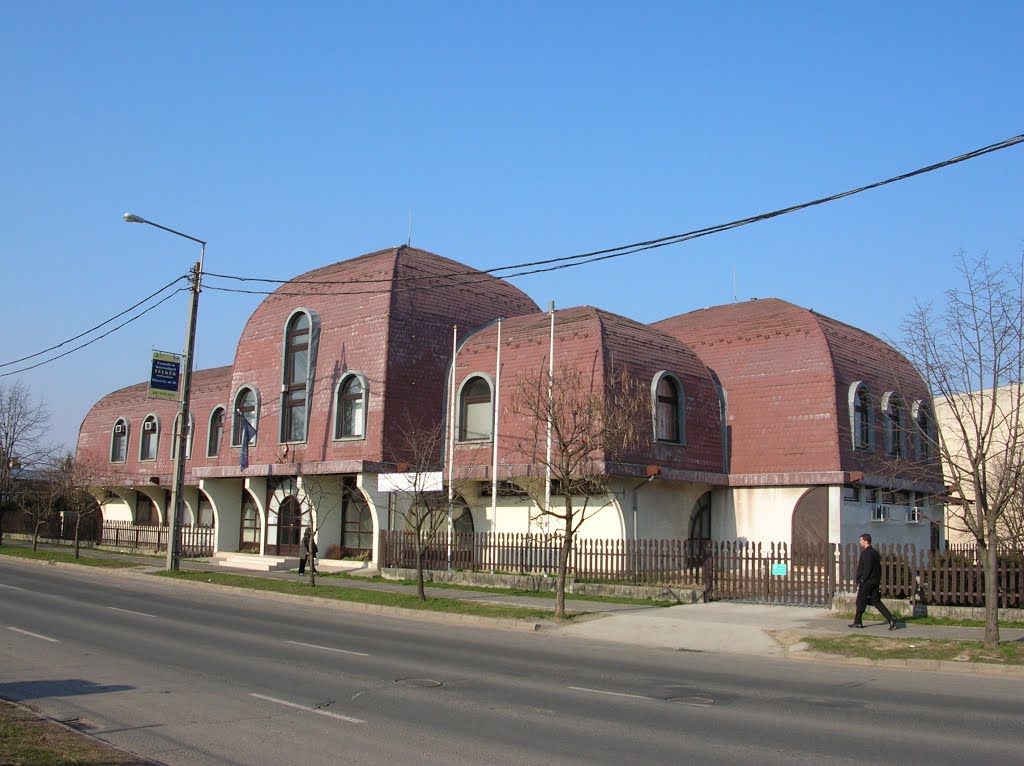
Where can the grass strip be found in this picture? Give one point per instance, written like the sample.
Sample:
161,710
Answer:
881,648
364,596
30,740
67,558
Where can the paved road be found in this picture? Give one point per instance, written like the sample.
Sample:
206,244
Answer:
189,674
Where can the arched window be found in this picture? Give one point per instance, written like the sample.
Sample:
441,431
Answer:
150,438
356,522
205,511
475,413
176,436
924,431
669,408
295,379
895,427
119,441
246,408
700,518
146,514
250,540
216,432
463,522
862,417
350,407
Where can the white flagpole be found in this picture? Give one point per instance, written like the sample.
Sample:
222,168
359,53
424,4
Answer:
494,442
451,442
551,395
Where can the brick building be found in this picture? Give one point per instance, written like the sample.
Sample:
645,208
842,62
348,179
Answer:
767,421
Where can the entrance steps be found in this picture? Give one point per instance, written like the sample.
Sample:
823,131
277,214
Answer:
255,563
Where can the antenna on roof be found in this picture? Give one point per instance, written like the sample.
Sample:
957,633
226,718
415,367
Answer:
408,242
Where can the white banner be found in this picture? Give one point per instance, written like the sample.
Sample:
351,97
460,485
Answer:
428,481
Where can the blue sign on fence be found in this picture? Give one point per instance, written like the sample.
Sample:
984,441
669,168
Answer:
779,570
163,380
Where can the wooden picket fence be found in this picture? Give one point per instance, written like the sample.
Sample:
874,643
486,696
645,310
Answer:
196,542
776,573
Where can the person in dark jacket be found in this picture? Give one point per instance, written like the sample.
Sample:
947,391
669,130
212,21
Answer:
304,552
869,578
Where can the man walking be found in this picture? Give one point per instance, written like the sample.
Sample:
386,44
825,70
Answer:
869,578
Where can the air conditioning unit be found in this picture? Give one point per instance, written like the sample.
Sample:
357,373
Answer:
880,513
119,428
149,425
915,515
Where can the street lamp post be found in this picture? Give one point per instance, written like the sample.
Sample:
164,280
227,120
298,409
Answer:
176,514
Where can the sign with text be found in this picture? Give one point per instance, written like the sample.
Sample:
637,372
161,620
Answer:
779,570
166,372
427,481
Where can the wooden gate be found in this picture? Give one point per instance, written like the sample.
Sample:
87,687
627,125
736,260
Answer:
770,573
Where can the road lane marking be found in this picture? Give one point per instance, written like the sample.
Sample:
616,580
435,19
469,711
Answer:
327,648
12,587
34,635
308,709
130,611
610,694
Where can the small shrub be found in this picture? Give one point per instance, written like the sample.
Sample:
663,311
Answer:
334,552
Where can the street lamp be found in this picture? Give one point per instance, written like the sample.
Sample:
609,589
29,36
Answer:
178,489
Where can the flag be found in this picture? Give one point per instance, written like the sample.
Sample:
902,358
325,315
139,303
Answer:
248,431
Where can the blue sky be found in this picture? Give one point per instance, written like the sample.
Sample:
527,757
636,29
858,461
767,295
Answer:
293,136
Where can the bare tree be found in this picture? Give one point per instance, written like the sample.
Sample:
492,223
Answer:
318,496
421,504
593,425
73,479
970,353
23,424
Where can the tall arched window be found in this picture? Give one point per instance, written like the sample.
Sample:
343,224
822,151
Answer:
295,383
700,518
862,417
176,436
350,407
895,426
476,417
150,438
247,408
119,441
669,408
924,432
205,516
250,539
356,522
216,432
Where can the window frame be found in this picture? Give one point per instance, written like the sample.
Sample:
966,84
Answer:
895,427
237,413
925,434
461,424
339,406
677,412
862,418
215,451
188,436
116,437
151,437
297,385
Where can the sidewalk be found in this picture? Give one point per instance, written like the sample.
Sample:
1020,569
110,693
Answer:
724,626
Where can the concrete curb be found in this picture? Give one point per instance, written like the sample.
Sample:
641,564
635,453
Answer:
495,623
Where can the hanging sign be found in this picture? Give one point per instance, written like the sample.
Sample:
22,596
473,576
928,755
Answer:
779,570
166,372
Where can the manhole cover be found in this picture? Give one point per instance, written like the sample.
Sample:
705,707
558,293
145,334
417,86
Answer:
700,701
422,683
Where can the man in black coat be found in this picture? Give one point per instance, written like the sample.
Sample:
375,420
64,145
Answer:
869,578
305,550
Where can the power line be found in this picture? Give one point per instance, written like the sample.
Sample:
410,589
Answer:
622,250
98,337
92,329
